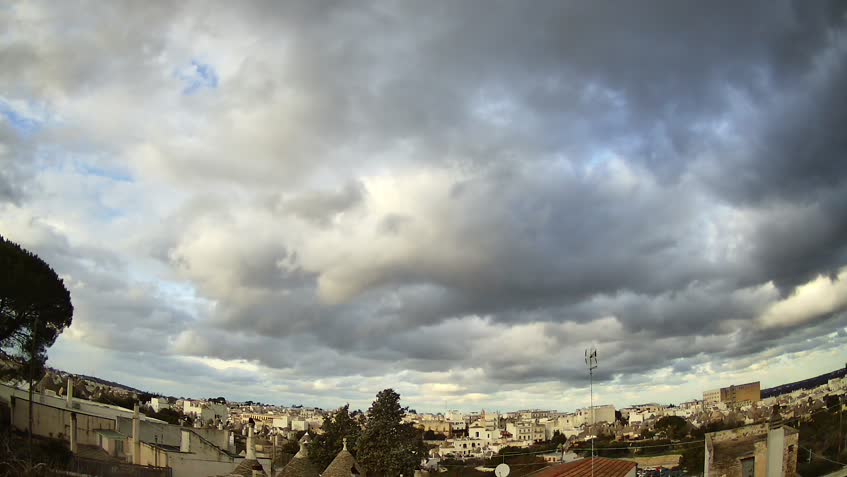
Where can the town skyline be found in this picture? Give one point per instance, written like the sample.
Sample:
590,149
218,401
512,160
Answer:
493,407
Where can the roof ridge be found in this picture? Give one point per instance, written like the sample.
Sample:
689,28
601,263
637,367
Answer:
207,441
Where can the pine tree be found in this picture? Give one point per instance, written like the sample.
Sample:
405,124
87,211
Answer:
336,427
35,307
388,446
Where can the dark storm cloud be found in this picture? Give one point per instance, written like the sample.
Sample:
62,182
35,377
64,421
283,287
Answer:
796,160
664,68
380,187
653,81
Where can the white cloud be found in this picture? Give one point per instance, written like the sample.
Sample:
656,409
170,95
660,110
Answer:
813,300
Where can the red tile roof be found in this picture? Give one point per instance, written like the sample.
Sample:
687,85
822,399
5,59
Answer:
582,468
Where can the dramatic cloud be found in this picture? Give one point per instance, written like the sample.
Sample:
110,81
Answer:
310,202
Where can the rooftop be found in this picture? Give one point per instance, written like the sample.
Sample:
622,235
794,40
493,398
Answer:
110,434
603,467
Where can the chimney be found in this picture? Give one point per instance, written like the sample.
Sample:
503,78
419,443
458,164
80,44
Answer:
70,396
73,433
776,449
185,441
251,447
136,436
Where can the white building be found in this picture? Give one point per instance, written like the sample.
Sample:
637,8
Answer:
159,403
282,422
602,413
206,411
529,431
462,448
486,434
299,425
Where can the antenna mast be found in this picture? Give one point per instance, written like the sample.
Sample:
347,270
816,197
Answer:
591,362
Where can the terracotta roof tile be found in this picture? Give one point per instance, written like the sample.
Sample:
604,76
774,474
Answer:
582,468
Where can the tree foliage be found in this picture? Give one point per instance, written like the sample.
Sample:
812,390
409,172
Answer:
336,427
674,427
693,459
35,307
117,398
431,435
824,435
169,415
388,446
558,438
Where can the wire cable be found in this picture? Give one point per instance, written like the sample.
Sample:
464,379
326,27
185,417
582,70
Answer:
812,453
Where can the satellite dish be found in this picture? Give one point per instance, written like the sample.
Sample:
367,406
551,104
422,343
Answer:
501,470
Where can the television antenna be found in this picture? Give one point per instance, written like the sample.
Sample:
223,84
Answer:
591,362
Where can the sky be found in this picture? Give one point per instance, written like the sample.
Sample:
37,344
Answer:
307,202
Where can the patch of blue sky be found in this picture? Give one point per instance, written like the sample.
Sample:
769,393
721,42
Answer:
111,174
183,296
108,214
198,76
20,122
80,163
597,160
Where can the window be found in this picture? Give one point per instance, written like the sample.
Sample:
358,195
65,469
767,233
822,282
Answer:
748,467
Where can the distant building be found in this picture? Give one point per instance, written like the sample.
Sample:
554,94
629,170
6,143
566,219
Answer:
205,410
438,426
712,396
602,413
742,393
735,394
535,413
762,450
530,431
282,422
159,403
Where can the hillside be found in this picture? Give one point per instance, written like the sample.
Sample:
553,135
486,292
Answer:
88,387
804,384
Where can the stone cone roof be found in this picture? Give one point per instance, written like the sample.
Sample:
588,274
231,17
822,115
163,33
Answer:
300,465
343,466
245,468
